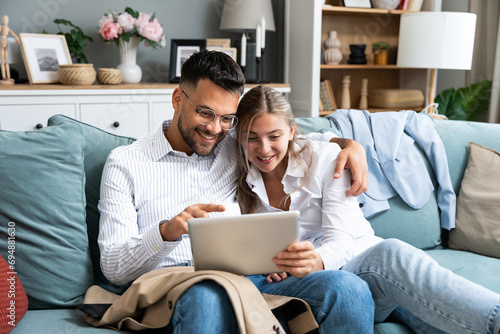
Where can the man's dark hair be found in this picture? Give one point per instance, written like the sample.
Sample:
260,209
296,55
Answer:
216,66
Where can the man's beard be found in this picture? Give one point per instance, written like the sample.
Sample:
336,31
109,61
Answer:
197,147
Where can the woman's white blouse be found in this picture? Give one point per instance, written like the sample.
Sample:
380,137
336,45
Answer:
333,223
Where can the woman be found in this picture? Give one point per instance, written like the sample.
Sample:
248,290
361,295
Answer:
280,172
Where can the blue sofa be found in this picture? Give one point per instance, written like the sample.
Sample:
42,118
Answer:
50,189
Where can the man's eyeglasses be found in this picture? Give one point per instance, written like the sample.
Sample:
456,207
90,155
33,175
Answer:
207,116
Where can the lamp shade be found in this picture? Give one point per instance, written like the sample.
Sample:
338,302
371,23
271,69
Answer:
438,40
242,15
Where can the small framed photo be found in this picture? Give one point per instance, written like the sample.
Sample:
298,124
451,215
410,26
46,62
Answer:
230,51
42,54
180,51
357,3
218,43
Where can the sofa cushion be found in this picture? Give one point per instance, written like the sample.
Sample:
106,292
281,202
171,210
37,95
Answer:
480,269
59,321
97,145
13,300
42,198
477,226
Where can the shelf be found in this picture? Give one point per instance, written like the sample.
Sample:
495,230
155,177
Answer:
357,11
360,67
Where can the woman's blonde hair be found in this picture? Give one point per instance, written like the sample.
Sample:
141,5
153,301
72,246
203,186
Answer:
258,101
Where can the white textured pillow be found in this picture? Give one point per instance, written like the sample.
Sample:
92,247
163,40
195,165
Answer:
478,204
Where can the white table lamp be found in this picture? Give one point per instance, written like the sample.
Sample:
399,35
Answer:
436,40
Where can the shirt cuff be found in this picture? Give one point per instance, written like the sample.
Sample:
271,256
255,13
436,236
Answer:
155,245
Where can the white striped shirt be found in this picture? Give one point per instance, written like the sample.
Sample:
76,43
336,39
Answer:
148,182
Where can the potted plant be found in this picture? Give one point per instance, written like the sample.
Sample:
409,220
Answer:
75,39
466,103
379,51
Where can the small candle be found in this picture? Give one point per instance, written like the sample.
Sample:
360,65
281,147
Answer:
243,56
263,26
258,36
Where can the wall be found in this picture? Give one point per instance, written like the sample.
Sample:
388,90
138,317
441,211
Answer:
181,19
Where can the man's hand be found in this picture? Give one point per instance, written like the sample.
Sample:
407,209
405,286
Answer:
352,156
178,225
299,259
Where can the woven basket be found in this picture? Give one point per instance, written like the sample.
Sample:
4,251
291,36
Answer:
76,74
395,98
109,76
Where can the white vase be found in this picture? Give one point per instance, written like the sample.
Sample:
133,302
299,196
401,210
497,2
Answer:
332,54
131,72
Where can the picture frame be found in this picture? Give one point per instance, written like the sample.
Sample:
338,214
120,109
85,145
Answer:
42,55
180,51
232,52
218,43
357,3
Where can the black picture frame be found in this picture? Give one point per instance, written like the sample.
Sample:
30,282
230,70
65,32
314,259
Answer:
357,3
180,51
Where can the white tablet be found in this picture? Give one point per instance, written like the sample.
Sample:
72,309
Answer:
243,245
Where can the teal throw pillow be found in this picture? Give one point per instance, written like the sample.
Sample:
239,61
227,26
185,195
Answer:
97,146
42,207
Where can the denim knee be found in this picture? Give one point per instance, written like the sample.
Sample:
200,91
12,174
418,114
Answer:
206,293
347,287
392,247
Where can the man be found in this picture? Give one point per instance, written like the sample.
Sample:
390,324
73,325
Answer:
186,169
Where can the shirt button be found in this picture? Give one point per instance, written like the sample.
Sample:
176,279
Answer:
361,205
156,248
133,265
191,160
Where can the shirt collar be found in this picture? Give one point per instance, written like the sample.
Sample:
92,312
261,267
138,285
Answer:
160,146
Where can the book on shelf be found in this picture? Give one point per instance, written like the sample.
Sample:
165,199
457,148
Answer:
404,4
327,100
415,5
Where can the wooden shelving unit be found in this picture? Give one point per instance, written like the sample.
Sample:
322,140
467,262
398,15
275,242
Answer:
353,26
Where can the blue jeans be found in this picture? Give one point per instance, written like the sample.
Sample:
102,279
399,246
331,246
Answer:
431,298
340,301
203,308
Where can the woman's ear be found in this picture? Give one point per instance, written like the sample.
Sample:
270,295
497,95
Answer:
292,132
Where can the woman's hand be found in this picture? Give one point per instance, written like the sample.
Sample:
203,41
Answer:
277,277
299,259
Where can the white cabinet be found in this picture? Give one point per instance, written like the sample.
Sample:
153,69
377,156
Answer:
128,110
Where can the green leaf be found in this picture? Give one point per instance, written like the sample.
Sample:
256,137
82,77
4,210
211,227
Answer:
135,14
466,103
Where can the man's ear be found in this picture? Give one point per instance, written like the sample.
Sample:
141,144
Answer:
176,98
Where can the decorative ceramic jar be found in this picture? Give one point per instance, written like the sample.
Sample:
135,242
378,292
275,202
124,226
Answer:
131,72
332,54
357,55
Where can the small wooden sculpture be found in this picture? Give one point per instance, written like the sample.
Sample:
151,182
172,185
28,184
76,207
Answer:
363,101
4,54
346,96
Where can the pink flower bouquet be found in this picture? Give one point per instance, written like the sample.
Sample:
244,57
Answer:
131,23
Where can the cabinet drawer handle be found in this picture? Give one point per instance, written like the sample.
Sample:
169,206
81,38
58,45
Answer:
116,124
39,126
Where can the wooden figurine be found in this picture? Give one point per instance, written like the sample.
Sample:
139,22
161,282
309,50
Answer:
363,101
346,96
4,54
